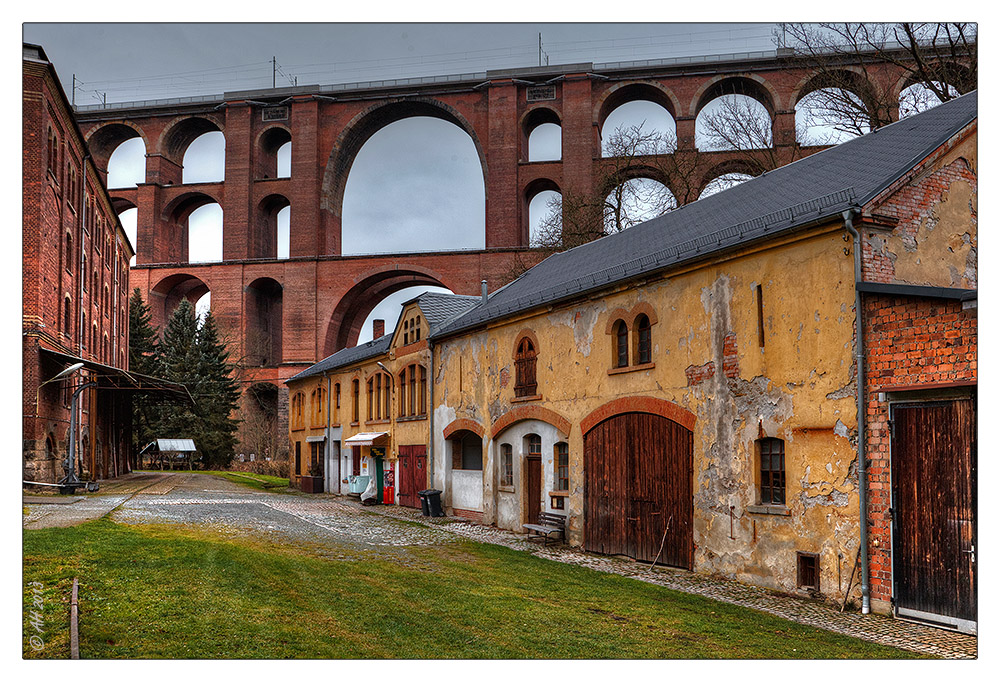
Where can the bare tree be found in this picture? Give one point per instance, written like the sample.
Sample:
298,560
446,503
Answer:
641,176
940,57
738,123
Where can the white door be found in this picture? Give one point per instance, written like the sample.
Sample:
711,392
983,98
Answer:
332,468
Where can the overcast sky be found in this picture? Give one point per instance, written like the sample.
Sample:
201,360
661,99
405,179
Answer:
417,184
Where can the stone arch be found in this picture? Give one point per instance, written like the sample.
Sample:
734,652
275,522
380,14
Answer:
168,292
851,78
526,412
629,91
181,206
530,191
368,122
263,236
369,289
724,168
263,323
104,139
748,84
634,171
955,75
267,144
533,118
647,404
463,425
182,131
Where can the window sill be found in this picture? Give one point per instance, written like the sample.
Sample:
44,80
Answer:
769,509
558,493
415,418
526,398
355,423
631,368
378,421
505,488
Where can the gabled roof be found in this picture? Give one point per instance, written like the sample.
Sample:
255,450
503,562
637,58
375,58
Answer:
347,356
805,192
437,308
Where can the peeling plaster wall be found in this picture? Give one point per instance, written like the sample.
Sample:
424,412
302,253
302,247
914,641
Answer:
798,387
935,241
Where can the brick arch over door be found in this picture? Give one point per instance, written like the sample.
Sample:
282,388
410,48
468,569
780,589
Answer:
638,486
518,414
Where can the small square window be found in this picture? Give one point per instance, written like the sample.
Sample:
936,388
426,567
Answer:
807,574
558,502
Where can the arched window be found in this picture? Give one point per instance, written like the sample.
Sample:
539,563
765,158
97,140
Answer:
69,252
644,343
355,398
402,393
413,391
621,344
371,399
297,412
533,445
562,466
67,317
318,399
386,396
336,403
506,465
525,383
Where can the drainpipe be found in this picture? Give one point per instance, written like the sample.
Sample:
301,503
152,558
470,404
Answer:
859,358
329,445
430,406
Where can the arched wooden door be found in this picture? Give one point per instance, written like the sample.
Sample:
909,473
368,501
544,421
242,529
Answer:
638,480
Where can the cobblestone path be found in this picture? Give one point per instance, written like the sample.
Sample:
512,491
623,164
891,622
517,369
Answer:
340,528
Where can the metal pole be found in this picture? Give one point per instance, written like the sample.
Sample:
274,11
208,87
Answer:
274,70
71,479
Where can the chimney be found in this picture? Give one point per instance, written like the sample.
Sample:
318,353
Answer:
485,291
378,329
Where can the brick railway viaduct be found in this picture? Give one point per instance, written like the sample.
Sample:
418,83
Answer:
314,302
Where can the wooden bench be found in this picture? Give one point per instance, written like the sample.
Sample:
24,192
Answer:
548,525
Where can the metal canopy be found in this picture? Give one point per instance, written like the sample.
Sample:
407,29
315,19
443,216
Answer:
117,379
365,438
175,445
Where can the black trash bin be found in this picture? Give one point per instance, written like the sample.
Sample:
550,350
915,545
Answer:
430,502
425,507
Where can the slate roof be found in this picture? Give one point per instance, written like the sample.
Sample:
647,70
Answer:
815,188
437,308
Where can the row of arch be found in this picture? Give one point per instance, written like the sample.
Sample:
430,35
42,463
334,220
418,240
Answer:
268,235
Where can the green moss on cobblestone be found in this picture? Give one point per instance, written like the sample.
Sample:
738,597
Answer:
178,592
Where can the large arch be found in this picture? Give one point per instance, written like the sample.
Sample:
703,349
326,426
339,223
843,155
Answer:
104,140
269,141
167,294
263,323
181,132
730,166
530,412
622,93
531,121
750,85
263,236
370,121
371,288
646,404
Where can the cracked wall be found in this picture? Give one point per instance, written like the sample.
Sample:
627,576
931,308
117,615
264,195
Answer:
707,359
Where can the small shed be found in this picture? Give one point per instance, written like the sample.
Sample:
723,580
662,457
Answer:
172,451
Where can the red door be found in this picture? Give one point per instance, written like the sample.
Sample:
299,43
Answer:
412,474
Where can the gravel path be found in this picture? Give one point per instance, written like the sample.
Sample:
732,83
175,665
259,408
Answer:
340,528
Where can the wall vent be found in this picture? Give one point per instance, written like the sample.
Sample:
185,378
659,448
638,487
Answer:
274,114
539,93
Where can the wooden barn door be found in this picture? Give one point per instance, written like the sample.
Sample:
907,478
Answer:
934,505
638,470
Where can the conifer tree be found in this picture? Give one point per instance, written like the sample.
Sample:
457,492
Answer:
218,394
193,355
143,358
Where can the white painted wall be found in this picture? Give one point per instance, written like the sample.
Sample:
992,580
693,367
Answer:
467,490
508,505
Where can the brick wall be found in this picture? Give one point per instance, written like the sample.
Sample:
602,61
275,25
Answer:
910,342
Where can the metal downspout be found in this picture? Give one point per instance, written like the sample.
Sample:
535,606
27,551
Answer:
430,399
859,358
329,445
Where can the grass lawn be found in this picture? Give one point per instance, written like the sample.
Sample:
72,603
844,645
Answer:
258,481
177,592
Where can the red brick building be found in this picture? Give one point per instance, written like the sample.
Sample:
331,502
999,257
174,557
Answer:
75,291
